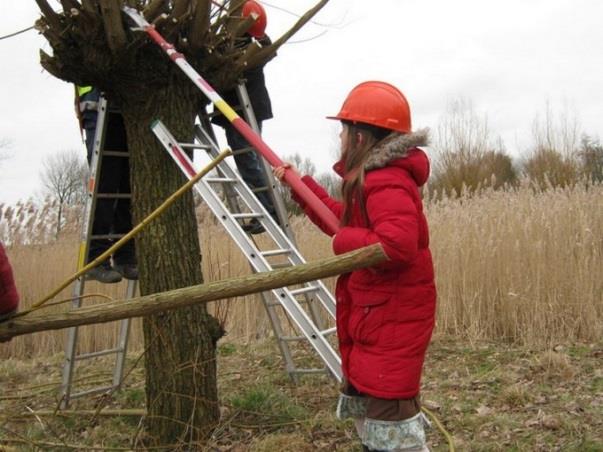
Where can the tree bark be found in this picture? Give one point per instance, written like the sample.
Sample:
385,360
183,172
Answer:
180,360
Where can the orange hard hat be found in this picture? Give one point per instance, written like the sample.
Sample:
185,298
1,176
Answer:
379,104
258,29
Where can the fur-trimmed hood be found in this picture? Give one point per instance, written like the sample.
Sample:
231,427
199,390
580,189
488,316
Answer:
399,150
395,146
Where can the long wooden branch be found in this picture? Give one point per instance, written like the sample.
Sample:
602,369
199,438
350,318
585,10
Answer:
174,299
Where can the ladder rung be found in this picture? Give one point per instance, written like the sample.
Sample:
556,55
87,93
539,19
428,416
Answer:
106,236
309,371
260,189
299,338
97,354
278,252
194,146
113,195
248,215
281,265
292,338
329,331
220,179
91,391
304,290
115,154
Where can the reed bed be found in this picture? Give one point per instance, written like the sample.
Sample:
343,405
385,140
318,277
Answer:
520,265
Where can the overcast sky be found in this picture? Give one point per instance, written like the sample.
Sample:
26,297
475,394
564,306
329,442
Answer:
508,58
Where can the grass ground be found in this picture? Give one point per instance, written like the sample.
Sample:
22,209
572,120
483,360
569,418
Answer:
489,396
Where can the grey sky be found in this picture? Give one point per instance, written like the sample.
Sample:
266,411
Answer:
509,58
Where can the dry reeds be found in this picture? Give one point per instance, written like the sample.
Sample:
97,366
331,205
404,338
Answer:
520,265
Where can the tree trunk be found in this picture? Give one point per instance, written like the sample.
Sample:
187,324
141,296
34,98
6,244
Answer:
180,345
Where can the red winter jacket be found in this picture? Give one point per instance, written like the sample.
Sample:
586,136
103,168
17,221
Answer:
386,314
9,298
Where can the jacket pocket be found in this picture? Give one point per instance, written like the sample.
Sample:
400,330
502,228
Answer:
368,315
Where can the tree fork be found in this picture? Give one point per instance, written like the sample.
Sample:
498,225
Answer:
174,299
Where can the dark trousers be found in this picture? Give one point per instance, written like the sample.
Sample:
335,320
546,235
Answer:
112,216
248,164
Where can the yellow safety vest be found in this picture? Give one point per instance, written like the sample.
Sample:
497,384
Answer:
81,90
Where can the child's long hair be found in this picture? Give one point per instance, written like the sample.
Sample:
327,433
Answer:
354,158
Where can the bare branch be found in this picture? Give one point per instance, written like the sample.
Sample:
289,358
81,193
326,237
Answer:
51,17
89,6
114,29
200,24
69,5
180,8
155,9
269,52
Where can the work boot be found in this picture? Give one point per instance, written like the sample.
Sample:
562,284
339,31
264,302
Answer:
104,273
253,227
128,271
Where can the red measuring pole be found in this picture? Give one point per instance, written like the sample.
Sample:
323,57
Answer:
312,201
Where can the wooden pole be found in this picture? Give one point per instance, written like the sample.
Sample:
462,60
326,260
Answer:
218,290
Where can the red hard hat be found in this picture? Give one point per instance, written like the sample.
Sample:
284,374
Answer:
258,29
379,104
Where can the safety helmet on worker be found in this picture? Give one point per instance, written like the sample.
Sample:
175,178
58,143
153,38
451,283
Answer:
378,104
254,9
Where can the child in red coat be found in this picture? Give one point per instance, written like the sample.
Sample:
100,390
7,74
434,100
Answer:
9,298
385,314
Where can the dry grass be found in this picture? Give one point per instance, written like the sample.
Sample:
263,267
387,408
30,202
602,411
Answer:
490,397
520,266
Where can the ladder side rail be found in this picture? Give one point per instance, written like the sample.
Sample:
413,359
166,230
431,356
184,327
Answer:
86,232
288,301
124,335
282,241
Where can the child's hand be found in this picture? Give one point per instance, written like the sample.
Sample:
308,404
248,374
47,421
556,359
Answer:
279,171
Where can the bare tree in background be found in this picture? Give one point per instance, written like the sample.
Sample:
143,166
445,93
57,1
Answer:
466,155
554,157
64,180
591,153
92,44
305,166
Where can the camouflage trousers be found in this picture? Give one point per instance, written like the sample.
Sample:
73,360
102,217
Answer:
383,435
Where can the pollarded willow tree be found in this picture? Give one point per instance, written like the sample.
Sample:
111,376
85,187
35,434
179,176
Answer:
92,44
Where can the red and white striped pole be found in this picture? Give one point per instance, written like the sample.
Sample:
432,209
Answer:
294,181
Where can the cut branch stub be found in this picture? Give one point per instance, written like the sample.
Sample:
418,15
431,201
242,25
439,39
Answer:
114,29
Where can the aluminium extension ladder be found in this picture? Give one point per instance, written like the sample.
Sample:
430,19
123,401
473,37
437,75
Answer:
207,136
105,147
261,260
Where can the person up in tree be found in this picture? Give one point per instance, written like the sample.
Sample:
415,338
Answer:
248,163
112,216
386,313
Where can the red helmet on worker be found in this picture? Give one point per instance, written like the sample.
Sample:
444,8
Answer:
376,103
255,10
